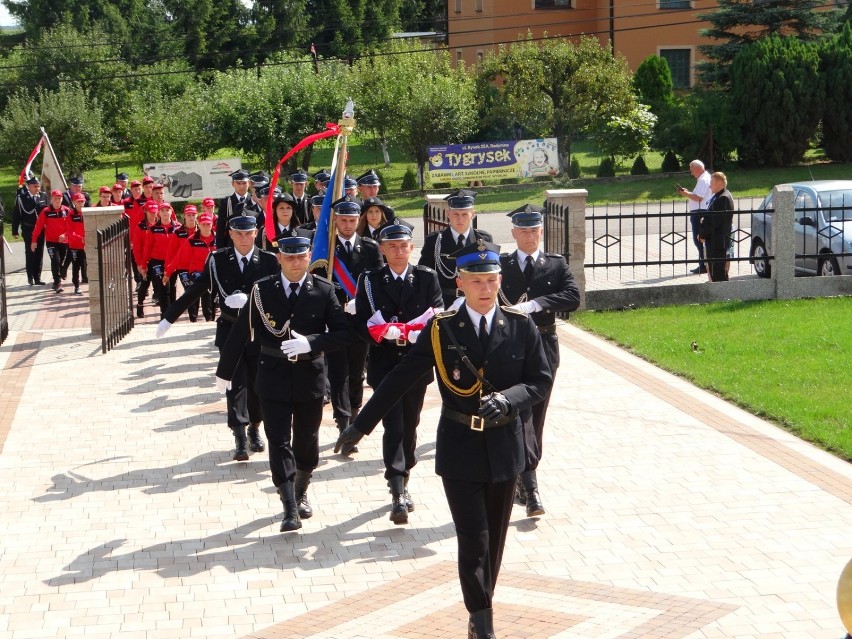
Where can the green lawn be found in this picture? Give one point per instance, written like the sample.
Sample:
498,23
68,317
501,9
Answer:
788,361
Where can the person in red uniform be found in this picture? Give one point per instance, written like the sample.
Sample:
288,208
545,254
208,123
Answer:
155,252
138,234
178,239
53,220
104,197
188,262
117,195
77,242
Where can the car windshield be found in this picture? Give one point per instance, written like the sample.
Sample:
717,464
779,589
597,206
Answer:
839,205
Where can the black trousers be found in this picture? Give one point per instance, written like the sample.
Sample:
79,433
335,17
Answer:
399,440
481,512
346,378
77,258
695,224
56,251
719,252
32,259
242,402
292,433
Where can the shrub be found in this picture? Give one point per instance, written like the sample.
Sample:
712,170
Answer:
384,185
574,171
670,162
606,168
409,180
639,167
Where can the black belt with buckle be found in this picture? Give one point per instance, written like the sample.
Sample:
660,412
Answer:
547,330
475,422
276,352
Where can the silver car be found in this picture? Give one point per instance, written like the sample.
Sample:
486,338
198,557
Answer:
823,229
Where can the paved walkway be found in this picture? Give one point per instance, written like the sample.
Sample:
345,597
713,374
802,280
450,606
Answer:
671,514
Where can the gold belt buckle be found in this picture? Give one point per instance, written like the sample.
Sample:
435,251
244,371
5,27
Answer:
477,423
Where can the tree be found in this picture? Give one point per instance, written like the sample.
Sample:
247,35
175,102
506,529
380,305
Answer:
72,120
653,83
624,136
348,28
836,72
738,23
423,15
555,87
440,109
776,87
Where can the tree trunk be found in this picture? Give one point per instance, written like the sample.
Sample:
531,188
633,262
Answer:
385,154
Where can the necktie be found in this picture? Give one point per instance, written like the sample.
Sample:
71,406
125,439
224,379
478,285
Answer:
483,333
244,262
528,269
348,247
460,242
294,287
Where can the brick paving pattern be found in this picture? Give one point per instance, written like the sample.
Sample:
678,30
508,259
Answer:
670,512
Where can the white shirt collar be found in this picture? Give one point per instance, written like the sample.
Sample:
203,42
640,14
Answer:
456,235
474,317
522,257
397,276
240,256
343,240
287,283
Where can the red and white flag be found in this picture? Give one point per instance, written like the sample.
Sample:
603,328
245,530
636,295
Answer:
26,173
51,172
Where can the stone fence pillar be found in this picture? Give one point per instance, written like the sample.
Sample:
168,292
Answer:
96,218
574,203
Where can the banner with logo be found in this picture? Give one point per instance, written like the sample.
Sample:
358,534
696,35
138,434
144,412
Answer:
194,180
490,160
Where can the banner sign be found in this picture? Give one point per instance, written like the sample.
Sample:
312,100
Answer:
489,160
194,180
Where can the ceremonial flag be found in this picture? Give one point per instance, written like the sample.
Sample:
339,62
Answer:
51,173
26,173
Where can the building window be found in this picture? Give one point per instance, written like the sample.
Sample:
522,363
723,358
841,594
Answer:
675,4
680,64
479,56
554,4
477,5
458,6
458,55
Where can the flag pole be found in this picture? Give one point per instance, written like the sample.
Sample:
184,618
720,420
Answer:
347,125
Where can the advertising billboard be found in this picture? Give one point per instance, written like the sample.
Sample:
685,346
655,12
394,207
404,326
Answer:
194,180
490,160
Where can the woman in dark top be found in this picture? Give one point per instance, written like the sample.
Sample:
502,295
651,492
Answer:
715,230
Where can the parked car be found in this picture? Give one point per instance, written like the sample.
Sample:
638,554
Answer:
823,229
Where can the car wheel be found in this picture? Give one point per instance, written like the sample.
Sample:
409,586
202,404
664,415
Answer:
760,259
828,266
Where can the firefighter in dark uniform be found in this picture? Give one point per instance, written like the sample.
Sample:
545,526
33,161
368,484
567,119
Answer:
321,180
238,203
231,272
29,201
346,366
490,365
437,246
302,205
541,285
387,300
368,185
75,185
294,317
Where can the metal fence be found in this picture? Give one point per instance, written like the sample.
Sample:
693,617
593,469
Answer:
435,218
4,313
116,290
555,238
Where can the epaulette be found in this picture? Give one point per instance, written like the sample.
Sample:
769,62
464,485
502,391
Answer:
506,255
221,250
446,314
424,268
321,278
555,255
509,309
268,277
369,240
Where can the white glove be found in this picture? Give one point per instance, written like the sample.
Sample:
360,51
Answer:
236,300
162,327
376,319
298,345
392,333
456,303
222,385
526,307
349,307
412,336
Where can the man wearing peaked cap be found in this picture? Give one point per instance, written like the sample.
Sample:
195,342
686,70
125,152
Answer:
460,232
350,187
392,305
231,272
321,179
29,202
541,285
75,185
293,319
302,204
240,202
490,367
368,184
124,180
346,366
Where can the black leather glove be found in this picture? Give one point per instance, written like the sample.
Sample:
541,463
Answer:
493,407
348,439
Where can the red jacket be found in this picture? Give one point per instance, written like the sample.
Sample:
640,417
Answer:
76,231
137,241
157,242
54,222
191,254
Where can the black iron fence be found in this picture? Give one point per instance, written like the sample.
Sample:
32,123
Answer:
116,290
4,313
435,218
556,228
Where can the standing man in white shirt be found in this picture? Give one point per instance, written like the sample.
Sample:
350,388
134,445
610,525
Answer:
697,202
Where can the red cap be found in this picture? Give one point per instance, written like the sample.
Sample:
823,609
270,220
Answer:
208,201
165,205
56,192
158,186
104,189
205,218
190,208
147,180
135,183
151,206
78,197
117,187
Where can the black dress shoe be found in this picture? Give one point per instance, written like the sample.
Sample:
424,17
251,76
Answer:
38,283
30,281
534,506
698,271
